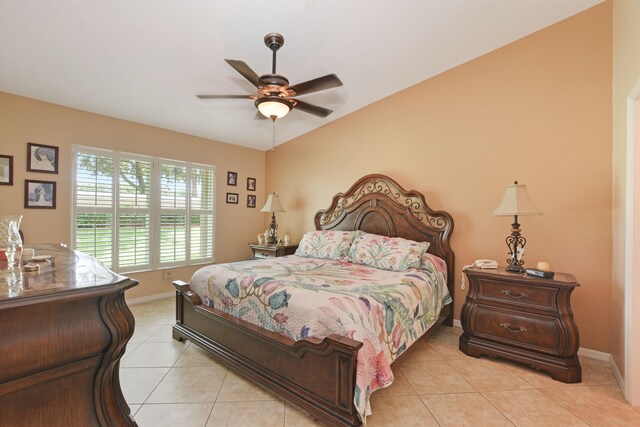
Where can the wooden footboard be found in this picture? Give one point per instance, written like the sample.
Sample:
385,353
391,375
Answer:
317,375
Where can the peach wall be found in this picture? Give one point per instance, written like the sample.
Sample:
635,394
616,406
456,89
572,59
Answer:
25,120
631,328
626,74
537,110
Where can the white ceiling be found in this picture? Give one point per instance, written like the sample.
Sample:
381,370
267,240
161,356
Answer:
145,60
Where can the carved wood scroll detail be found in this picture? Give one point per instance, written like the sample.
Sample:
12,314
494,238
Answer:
377,184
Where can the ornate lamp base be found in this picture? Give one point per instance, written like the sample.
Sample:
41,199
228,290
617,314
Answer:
515,268
273,237
514,242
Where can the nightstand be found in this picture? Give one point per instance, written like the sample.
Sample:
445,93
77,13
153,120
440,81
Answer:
261,251
522,318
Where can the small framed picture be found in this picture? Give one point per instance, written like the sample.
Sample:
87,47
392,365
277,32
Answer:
232,178
232,198
251,184
251,200
6,170
42,158
39,194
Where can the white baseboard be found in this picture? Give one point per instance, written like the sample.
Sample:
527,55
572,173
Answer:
617,374
584,352
149,298
593,354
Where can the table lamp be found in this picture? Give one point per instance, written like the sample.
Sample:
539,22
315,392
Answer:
516,202
273,205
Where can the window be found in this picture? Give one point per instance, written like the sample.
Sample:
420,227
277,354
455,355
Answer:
137,213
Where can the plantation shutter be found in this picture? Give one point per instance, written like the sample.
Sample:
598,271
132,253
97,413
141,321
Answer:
202,205
94,206
173,214
134,214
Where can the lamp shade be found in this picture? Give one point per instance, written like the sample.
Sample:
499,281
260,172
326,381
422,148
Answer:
516,201
273,204
273,107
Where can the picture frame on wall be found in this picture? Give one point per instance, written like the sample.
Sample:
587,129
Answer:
39,194
251,184
6,170
251,200
42,158
232,178
232,198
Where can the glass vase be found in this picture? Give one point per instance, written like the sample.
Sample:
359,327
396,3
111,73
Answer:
10,239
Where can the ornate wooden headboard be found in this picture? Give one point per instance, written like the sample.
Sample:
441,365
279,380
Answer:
379,205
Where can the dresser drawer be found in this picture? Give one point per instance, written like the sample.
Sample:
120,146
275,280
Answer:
539,333
535,296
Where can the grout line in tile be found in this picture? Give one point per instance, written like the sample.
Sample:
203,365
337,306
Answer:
429,411
154,389
502,413
226,374
461,376
564,407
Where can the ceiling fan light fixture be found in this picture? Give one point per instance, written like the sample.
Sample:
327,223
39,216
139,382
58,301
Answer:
273,107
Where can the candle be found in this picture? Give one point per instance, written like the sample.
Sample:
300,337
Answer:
543,265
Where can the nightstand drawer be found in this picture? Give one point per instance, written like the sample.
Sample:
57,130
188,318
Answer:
268,251
264,254
538,333
535,296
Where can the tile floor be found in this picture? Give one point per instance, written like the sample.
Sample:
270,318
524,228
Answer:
168,383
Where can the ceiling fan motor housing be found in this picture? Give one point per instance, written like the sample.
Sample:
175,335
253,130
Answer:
275,79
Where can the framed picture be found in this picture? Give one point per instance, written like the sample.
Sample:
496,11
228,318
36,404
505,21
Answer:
39,194
232,178
251,200
42,158
251,184
232,198
6,170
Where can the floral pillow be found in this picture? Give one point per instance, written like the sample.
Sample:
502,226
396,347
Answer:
326,244
387,253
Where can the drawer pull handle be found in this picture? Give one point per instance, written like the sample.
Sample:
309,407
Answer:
512,329
508,293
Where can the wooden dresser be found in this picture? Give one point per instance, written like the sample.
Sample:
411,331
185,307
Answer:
266,250
64,330
522,318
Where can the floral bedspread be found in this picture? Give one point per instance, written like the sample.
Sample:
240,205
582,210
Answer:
309,297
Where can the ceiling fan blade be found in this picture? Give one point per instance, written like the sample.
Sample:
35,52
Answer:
224,96
312,109
315,85
246,72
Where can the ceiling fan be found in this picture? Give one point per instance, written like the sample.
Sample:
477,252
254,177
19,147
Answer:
275,96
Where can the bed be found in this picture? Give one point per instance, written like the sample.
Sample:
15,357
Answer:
318,375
